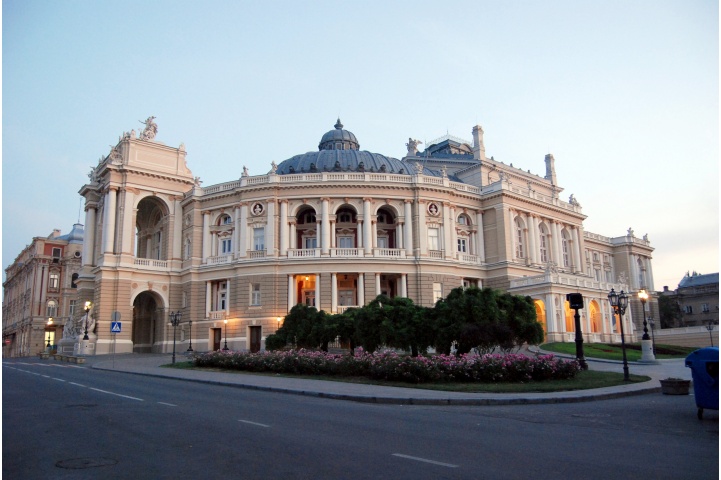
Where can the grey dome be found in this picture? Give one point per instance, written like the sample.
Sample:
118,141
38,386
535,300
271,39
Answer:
75,235
338,139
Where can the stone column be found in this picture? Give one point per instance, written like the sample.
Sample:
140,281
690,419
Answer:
293,235
333,292
359,232
208,298
89,236
243,231
109,220
408,228
317,292
447,247
532,238
378,284
367,240
206,236
422,229
576,250
512,234
556,248
283,225
325,226
177,229
404,285
399,235
332,233
480,244
291,292
361,300
128,223
270,228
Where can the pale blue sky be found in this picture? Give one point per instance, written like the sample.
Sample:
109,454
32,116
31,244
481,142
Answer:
625,94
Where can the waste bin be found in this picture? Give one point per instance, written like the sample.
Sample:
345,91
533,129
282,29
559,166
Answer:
704,369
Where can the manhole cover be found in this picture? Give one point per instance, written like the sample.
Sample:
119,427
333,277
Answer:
78,463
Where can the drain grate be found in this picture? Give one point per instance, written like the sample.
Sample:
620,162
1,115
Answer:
80,463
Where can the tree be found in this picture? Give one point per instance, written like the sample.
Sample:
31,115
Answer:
300,328
405,325
669,311
471,317
519,315
368,324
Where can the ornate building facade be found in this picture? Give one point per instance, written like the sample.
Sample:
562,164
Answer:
40,293
334,228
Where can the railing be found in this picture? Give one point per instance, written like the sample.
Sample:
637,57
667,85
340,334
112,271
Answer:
389,252
256,254
217,315
468,258
303,252
435,253
149,262
564,279
220,259
344,252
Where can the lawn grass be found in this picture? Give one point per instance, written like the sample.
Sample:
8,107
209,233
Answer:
607,351
584,380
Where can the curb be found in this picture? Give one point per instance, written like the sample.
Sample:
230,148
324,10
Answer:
488,401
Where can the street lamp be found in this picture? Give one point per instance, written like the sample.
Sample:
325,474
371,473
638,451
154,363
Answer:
653,337
190,337
225,348
50,322
619,302
709,327
174,321
88,306
647,354
278,319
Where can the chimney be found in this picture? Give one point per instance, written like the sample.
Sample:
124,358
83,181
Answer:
479,151
550,169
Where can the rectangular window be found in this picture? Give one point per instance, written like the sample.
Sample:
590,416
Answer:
382,242
704,307
598,275
345,242
158,246
462,245
433,239
311,242
544,249
54,280
609,276
222,299
255,294
57,252
259,238
437,292
71,307
688,309
226,245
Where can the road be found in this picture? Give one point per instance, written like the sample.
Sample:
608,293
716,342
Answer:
63,421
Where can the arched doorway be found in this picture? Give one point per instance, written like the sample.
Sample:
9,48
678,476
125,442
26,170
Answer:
541,314
570,321
148,313
595,316
151,223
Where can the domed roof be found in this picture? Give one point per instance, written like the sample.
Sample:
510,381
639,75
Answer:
338,152
75,235
338,139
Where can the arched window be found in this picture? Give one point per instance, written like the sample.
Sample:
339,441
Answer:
226,220
519,239
52,308
565,245
543,243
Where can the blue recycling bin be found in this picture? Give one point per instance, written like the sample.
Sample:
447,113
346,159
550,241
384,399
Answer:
704,370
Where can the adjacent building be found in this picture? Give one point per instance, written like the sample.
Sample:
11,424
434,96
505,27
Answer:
40,293
334,228
697,297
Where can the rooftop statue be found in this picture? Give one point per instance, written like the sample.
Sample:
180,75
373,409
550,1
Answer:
412,146
150,130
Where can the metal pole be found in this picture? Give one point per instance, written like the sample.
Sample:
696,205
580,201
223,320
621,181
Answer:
579,341
190,338
623,347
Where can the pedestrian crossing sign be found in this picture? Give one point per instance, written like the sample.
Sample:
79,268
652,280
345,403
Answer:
114,327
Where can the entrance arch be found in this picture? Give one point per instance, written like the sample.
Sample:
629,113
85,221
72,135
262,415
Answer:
541,314
595,316
147,328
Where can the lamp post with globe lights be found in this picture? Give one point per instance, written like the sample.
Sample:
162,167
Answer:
619,303
174,321
225,348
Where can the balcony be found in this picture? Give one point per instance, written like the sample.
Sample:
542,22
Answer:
217,314
305,252
468,258
389,253
220,259
150,264
256,254
435,254
344,252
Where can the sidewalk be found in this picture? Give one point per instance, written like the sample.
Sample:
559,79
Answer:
150,365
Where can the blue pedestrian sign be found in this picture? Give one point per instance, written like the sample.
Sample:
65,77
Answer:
115,327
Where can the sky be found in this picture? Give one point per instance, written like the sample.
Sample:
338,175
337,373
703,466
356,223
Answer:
625,94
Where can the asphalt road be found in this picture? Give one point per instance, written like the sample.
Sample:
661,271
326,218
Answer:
71,422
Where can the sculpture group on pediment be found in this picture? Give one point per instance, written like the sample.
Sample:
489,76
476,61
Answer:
412,146
572,200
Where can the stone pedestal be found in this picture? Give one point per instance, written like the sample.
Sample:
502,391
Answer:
647,355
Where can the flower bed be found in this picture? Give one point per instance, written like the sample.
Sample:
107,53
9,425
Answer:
391,366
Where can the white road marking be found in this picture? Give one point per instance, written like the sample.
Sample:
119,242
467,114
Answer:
168,404
117,394
77,384
254,423
425,460
58,379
